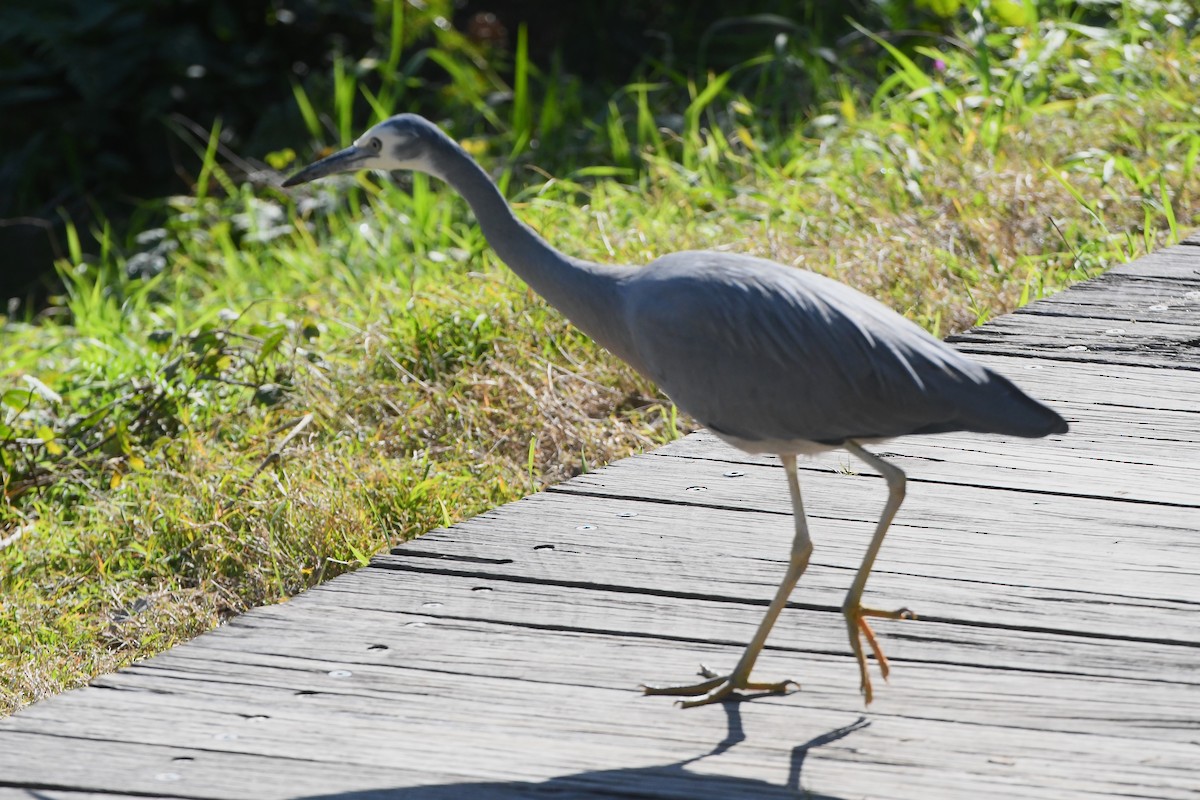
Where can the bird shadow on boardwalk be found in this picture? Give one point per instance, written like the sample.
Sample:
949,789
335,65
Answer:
663,782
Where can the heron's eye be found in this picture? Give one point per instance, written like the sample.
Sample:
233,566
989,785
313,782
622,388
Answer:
375,144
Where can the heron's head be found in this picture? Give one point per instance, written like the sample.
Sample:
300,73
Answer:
402,142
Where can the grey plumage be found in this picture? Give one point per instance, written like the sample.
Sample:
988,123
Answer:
762,352
770,358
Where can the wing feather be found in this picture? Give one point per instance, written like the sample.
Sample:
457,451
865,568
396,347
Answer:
763,352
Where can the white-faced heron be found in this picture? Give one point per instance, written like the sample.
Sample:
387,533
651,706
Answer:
769,358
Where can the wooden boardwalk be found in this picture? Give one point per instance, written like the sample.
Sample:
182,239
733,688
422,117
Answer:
1057,655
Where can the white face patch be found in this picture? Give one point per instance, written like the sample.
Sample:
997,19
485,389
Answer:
421,163
385,144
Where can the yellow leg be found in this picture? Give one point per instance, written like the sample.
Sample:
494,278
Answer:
856,615
718,687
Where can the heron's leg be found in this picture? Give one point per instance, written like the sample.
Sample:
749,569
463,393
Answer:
718,687
852,608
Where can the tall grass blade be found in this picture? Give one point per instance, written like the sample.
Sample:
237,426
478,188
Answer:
1168,210
209,163
522,122
309,114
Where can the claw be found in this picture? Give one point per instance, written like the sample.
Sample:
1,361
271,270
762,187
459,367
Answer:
716,688
856,622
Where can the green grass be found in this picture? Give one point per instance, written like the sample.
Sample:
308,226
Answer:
309,378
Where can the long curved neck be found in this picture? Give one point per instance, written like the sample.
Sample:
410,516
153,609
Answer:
588,294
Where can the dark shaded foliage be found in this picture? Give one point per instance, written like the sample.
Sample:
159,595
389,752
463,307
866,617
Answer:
105,101
611,40
93,91
93,80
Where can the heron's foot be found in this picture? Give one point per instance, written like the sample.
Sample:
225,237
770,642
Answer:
859,629
716,688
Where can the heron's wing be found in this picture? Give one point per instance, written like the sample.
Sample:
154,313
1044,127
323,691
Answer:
763,352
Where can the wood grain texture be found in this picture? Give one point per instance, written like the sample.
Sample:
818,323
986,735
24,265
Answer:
1057,653
1143,313
1140,465
1138,389
1015,577
335,713
1124,298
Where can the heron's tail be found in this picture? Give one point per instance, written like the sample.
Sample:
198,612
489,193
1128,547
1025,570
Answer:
1015,413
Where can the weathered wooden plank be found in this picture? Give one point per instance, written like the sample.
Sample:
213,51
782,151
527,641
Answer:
413,698
386,612
1179,262
849,502
1004,579
1148,711
1058,523
1144,388
1087,462
559,789
36,793
1099,331
278,723
1118,297
1139,313
1162,356
1118,437
1124,298
842,755
1116,315
1114,286
126,763
1068,339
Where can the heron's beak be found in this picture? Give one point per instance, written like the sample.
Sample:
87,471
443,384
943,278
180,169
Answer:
347,160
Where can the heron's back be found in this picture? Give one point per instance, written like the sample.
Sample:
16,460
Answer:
760,352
